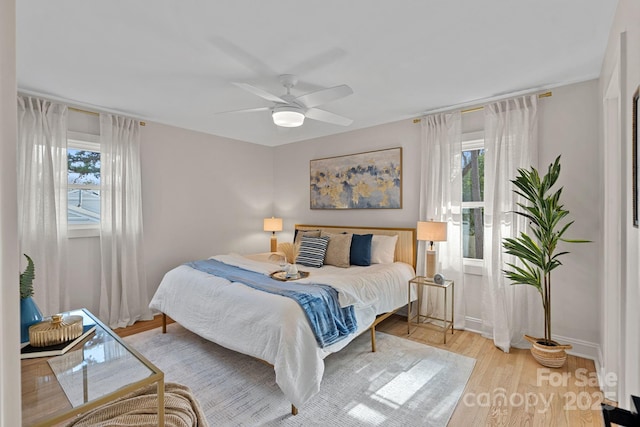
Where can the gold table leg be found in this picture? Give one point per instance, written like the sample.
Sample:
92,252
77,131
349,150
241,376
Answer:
160,386
409,311
444,329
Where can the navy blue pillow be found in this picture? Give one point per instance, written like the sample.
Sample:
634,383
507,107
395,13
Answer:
361,249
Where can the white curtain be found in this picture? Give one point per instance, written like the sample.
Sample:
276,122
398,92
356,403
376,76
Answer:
123,288
42,198
511,132
441,200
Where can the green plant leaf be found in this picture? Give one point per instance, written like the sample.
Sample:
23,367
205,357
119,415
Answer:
26,279
528,275
576,241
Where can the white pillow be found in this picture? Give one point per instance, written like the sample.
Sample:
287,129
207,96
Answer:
383,249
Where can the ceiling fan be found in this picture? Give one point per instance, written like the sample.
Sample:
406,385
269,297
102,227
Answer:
290,111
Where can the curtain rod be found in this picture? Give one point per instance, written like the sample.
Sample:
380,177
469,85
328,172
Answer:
471,110
69,103
93,113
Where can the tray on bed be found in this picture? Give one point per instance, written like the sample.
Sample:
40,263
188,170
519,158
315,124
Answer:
282,275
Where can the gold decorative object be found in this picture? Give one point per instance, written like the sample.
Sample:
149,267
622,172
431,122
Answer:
55,331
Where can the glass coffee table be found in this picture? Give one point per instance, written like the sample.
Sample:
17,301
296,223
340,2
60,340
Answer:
98,370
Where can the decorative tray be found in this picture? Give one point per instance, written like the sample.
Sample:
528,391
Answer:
282,276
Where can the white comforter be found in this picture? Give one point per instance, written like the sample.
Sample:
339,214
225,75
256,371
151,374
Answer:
272,327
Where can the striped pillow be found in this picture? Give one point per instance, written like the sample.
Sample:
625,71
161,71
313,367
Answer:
312,251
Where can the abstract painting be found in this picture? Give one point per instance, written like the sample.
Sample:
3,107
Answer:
371,180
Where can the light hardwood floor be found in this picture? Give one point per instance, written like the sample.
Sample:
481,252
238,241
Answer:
505,389
512,389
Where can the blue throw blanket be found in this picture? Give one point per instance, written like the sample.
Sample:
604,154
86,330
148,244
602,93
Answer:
330,322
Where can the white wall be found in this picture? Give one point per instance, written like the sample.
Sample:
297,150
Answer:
627,19
9,271
202,195
291,200
569,126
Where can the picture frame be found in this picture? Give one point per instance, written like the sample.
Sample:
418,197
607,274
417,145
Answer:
634,156
368,180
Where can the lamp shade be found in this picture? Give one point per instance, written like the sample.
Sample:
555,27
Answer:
432,231
287,116
273,224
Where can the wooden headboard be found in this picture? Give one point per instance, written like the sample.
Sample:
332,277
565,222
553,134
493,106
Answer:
405,246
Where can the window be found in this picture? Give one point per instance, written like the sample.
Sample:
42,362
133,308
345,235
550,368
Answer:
473,195
83,184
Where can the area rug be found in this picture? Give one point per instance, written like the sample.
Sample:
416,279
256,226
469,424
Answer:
403,383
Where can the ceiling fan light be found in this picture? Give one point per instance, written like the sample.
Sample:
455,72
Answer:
287,116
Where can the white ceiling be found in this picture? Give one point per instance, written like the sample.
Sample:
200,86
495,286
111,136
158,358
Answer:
174,61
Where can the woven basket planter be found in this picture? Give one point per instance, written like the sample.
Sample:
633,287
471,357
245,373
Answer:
551,356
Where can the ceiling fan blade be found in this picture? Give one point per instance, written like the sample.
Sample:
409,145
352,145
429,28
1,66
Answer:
325,116
323,96
234,51
261,93
246,110
317,61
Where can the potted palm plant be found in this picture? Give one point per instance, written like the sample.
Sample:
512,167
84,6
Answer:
538,253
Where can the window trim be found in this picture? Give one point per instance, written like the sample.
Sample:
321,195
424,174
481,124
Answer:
473,266
89,142
472,141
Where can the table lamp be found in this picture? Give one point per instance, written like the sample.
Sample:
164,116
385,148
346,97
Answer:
273,224
431,231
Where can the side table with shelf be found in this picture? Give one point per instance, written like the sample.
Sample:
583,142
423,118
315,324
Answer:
420,319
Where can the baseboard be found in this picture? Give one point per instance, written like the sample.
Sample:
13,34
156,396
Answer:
599,368
581,348
473,324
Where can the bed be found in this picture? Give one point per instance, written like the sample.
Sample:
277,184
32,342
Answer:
274,328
